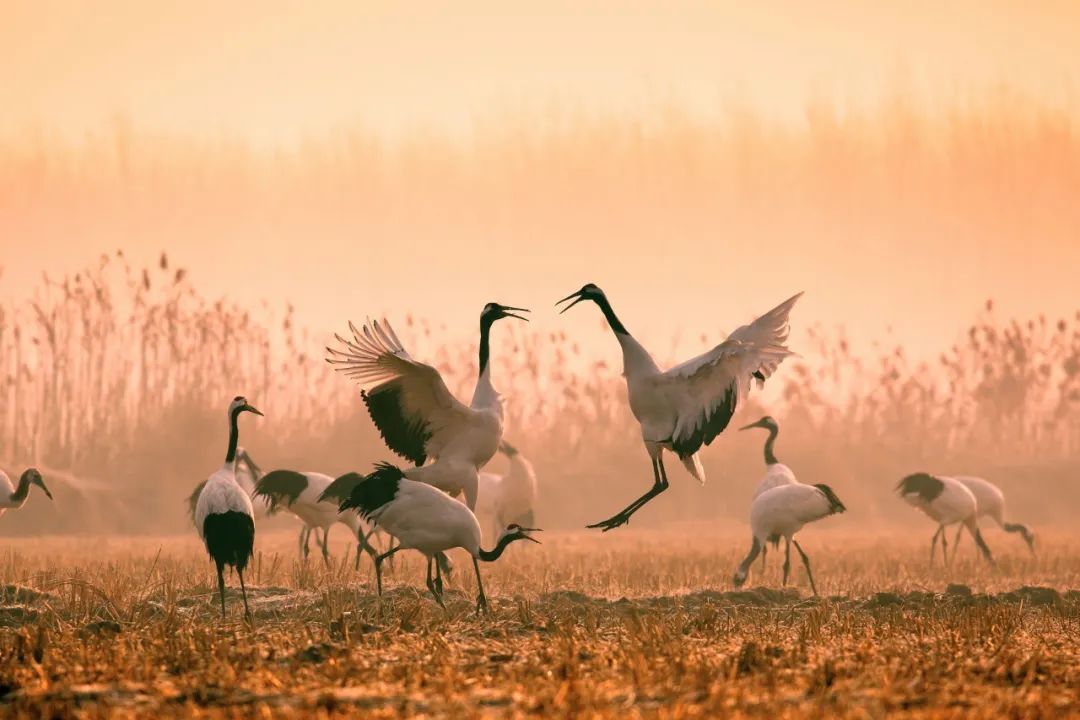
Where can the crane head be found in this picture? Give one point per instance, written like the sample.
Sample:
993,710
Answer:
494,311
587,292
33,477
516,532
239,405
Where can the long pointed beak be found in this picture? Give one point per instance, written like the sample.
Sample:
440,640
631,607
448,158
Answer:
251,409
510,314
46,490
529,537
751,425
531,529
579,297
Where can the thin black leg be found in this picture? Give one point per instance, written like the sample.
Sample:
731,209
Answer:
445,566
431,583
983,548
764,552
806,562
481,599
439,571
933,543
944,547
787,559
221,586
363,543
243,593
326,547
956,541
660,484
378,566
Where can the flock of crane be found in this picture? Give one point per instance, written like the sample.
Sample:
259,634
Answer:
432,505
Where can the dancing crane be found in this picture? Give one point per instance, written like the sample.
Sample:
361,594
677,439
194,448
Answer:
13,498
683,408
990,502
415,412
223,513
947,501
423,518
781,512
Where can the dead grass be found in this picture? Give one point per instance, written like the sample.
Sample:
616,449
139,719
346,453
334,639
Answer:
626,624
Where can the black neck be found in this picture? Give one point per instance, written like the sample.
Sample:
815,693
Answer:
20,492
609,314
493,555
770,458
234,435
485,348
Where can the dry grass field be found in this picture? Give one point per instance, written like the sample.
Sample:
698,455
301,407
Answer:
629,624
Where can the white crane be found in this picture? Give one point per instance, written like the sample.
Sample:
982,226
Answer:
415,412
776,472
683,408
990,502
301,494
781,512
510,498
247,474
947,501
425,519
12,497
224,515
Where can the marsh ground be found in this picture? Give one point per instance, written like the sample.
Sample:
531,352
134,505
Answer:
630,624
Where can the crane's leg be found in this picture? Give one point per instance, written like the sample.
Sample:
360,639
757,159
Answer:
764,552
744,567
481,599
956,541
362,543
944,547
378,566
445,566
660,484
973,528
243,593
431,583
221,586
326,546
305,542
438,577
787,559
933,543
806,562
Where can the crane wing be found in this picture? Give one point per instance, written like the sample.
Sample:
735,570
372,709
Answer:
407,400
708,387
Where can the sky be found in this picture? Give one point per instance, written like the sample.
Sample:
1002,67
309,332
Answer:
274,74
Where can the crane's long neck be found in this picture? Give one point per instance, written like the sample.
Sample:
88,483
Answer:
234,437
493,555
770,457
605,307
21,490
484,394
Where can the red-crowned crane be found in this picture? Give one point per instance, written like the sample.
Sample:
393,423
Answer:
683,408
776,472
223,513
990,502
12,497
425,519
946,501
782,511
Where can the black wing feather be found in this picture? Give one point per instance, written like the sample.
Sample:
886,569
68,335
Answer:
406,437
279,486
377,489
715,423
341,488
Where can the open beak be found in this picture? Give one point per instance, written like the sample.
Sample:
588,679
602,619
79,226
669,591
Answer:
251,409
579,297
510,314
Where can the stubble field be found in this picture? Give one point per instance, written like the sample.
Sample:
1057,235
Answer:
629,624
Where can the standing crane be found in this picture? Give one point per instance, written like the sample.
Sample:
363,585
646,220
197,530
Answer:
990,502
415,412
247,474
683,408
781,512
947,501
423,518
224,515
13,498
776,472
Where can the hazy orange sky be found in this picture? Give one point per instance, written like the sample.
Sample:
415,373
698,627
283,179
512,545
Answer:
273,73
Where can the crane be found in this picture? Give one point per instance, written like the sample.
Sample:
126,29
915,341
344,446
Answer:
224,515
947,501
683,408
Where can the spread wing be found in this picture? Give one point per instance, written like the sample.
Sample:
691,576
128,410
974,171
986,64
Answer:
707,388
408,401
